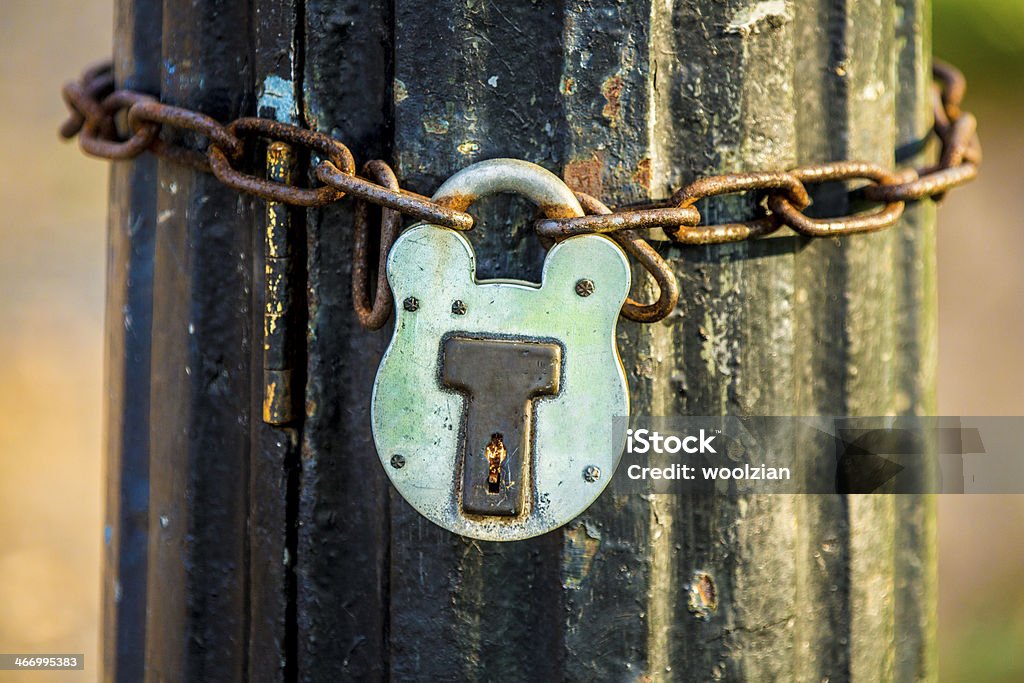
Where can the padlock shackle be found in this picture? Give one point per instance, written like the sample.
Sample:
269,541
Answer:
536,183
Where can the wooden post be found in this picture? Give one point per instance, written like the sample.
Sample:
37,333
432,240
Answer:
127,362
283,554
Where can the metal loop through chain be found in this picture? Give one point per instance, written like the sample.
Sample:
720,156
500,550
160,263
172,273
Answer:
373,316
637,247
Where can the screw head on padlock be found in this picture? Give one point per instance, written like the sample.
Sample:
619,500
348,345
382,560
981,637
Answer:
498,394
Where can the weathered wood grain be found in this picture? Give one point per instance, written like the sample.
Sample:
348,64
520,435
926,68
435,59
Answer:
343,527
196,625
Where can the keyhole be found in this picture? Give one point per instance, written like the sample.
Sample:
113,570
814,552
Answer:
495,454
500,379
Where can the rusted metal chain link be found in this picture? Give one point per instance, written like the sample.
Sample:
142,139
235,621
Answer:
373,316
644,253
96,107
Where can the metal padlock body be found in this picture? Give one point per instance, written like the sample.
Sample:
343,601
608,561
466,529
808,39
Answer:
418,422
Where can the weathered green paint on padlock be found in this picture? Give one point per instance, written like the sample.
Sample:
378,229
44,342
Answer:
494,403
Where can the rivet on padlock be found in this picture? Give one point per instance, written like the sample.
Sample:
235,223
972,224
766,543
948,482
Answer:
498,394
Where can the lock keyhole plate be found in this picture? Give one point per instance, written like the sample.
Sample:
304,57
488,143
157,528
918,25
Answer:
501,379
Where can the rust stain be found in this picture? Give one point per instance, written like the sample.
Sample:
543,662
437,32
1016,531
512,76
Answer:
585,175
703,595
581,546
436,125
557,211
457,201
495,454
612,90
642,174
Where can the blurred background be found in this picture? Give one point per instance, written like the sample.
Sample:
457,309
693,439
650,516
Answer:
52,270
981,342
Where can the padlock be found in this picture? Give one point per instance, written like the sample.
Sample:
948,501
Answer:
494,404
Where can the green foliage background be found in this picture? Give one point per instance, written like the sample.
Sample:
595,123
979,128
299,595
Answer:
985,39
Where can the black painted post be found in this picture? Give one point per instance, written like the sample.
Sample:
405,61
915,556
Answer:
127,361
281,553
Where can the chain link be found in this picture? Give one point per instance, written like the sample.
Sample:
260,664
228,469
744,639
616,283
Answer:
96,106
372,316
645,254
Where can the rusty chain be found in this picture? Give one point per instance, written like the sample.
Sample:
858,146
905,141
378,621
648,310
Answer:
97,108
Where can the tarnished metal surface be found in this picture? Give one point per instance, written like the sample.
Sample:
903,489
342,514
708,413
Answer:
128,370
84,97
558,368
332,151
206,388
393,197
644,253
552,196
94,141
94,105
373,315
501,380
842,171
726,184
415,416
633,219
